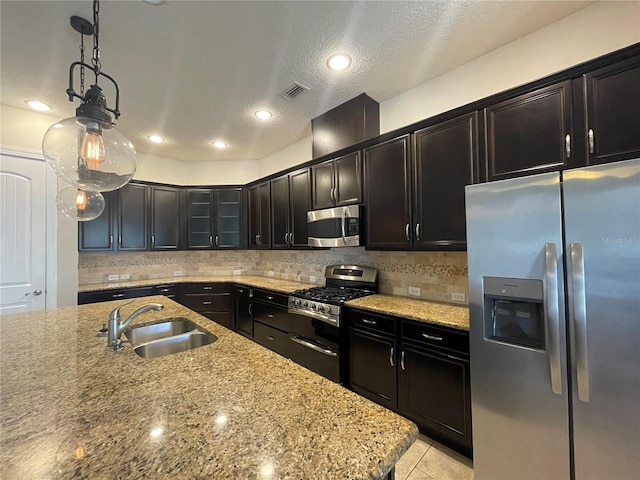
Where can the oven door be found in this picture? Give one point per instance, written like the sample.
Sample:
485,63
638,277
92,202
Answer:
315,345
334,227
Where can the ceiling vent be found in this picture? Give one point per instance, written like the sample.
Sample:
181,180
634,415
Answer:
294,90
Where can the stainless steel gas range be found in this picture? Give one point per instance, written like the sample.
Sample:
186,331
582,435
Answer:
315,317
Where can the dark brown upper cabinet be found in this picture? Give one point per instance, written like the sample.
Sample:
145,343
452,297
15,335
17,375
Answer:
387,188
337,182
530,133
290,202
445,161
165,218
133,217
613,112
259,203
97,235
213,218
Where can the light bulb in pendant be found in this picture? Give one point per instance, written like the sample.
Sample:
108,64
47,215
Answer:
92,149
81,200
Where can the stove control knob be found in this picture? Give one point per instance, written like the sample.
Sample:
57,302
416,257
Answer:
313,306
305,304
320,308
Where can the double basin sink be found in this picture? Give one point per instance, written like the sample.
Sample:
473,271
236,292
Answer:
166,338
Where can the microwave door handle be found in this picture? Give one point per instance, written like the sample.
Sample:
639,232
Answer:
343,224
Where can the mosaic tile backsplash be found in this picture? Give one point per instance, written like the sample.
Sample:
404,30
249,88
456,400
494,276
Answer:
437,274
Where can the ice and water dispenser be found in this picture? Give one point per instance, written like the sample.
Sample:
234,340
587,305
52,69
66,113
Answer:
513,311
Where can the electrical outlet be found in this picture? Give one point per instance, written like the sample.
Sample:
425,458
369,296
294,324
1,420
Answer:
237,272
113,278
415,291
312,278
270,273
458,297
125,276
178,273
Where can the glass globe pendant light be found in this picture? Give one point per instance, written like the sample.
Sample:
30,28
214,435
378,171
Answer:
79,204
87,150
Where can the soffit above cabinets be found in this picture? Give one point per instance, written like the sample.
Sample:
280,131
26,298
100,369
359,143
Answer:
196,71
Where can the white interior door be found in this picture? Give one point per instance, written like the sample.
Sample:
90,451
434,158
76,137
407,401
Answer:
22,235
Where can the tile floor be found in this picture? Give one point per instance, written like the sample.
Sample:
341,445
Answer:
426,459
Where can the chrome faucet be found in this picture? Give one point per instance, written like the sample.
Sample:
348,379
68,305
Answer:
116,327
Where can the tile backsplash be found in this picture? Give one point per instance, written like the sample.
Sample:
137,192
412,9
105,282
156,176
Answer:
438,275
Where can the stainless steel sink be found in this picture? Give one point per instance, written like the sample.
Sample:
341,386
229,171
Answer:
165,338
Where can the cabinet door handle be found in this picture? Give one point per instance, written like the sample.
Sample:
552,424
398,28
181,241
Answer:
259,239
269,315
110,241
153,241
369,322
391,357
567,145
402,360
406,231
286,238
271,337
207,303
217,241
591,141
331,193
336,195
432,337
250,309
211,240
164,290
256,240
417,231
117,295
269,297
240,290
119,240
291,239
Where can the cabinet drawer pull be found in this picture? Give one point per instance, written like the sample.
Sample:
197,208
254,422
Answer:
591,141
402,360
567,145
271,337
164,290
432,337
369,322
391,357
117,295
207,288
269,297
207,303
240,290
269,315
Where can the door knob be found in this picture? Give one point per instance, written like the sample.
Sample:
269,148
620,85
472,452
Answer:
35,293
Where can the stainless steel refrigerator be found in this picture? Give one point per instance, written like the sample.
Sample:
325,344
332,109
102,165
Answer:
554,298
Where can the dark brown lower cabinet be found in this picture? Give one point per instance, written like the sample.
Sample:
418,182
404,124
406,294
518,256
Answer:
434,392
243,300
372,371
417,369
109,295
212,300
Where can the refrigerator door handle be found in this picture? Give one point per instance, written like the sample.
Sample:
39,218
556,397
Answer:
552,313
580,320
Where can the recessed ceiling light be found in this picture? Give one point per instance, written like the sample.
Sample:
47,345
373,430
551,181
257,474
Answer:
219,144
155,138
339,61
263,114
39,106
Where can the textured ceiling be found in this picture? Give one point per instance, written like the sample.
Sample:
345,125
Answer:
196,71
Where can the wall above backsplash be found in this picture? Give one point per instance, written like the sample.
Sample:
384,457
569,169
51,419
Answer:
438,275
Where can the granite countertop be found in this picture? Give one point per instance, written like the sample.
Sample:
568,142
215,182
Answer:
448,315
230,410
453,316
275,284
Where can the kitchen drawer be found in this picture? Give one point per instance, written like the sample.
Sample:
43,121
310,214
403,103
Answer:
272,338
371,321
441,337
273,315
166,290
108,295
207,302
206,288
271,297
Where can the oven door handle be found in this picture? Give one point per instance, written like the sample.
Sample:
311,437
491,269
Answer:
313,346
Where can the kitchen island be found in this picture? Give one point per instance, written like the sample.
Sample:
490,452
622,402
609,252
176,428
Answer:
70,408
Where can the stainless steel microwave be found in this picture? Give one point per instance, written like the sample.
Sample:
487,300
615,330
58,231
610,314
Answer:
334,227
